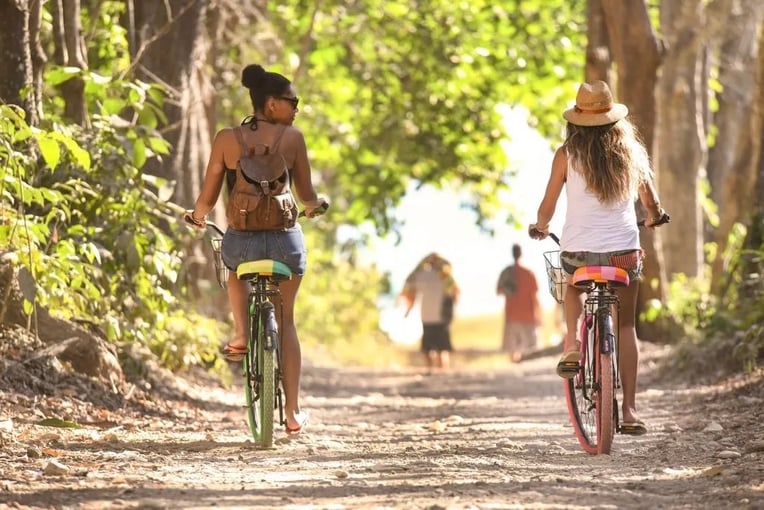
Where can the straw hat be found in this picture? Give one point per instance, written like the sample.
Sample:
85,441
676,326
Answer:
595,106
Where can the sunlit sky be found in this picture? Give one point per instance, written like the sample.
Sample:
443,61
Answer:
434,221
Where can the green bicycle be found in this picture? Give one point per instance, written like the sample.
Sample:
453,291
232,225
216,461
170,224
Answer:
263,377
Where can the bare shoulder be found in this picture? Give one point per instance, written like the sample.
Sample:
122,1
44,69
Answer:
293,134
226,133
561,154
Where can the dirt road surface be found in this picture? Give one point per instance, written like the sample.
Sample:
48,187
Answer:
393,438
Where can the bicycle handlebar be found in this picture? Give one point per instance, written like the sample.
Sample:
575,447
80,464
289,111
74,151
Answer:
318,211
665,218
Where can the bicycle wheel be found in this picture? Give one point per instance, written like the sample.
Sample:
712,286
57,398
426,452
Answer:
252,374
259,381
605,394
267,371
579,390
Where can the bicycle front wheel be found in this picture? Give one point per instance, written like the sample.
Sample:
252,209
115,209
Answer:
580,391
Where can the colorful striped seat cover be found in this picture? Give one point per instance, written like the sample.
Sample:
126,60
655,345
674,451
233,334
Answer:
611,274
264,267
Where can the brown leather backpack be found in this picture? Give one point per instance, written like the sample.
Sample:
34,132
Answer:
261,198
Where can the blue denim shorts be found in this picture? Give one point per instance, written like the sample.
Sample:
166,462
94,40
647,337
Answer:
630,260
287,246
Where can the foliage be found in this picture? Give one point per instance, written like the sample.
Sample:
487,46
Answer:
397,92
337,302
719,335
83,221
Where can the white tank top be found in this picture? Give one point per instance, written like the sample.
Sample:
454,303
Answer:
593,226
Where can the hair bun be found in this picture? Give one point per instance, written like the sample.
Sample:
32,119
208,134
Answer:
252,75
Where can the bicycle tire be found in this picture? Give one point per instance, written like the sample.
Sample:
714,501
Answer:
267,368
579,389
605,396
252,374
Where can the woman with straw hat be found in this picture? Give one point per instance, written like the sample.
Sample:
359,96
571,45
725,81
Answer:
604,167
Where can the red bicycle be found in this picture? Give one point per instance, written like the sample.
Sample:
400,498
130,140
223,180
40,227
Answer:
591,394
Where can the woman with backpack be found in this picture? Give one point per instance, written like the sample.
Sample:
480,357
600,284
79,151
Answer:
274,105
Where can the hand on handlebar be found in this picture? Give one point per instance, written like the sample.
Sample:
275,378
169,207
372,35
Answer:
538,233
316,207
188,217
655,222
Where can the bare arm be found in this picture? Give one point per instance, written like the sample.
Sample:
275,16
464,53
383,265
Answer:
552,193
301,176
648,196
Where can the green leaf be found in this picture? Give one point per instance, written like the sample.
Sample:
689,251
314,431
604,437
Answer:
58,75
80,155
139,153
57,422
50,150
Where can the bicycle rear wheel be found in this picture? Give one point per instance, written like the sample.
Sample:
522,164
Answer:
605,396
267,369
579,391
590,395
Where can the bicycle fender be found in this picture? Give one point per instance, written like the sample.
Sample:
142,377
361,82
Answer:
607,336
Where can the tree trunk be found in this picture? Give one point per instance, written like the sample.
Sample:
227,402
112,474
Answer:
70,51
170,45
680,151
169,48
17,85
598,61
733,161
637,53
39,59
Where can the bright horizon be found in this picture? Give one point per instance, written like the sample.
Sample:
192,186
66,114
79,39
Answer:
434,221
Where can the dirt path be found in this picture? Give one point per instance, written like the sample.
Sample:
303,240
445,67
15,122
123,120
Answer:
391,439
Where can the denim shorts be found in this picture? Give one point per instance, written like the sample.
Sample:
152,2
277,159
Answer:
287,246
630,260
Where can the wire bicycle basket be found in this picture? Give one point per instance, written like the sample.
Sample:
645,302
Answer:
221,272
555,275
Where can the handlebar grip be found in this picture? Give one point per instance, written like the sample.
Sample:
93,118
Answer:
665,218
318,211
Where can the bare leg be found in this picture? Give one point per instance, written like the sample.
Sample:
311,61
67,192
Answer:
237,298
573,308
291,356
628,350
432,359
444,360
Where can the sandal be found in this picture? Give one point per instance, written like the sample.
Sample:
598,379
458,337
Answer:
302,423
569,363
233,353
633,428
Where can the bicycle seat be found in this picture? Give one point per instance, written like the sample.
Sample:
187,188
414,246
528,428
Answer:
266,267
587,275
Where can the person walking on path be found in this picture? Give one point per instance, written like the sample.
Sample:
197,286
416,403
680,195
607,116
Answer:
604,168
432,283
522,311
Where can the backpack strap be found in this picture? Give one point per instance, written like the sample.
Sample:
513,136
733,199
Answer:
240,138
245,149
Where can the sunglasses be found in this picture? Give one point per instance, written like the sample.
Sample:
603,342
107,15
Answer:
293,100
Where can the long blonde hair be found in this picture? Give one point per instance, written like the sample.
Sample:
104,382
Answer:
612,159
